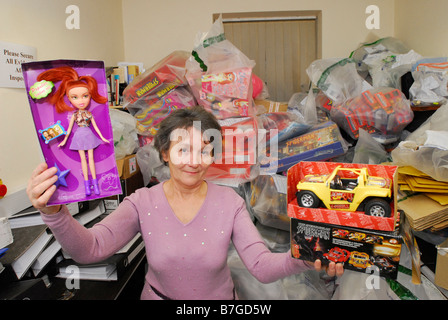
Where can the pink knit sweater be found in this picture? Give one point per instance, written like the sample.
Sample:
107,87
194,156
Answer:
185,261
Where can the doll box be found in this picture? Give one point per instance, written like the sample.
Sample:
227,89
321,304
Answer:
52,128
366,251
342,217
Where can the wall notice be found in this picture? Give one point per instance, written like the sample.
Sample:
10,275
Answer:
11,58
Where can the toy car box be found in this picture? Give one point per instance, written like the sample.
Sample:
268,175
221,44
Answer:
367,251
337,205
322,142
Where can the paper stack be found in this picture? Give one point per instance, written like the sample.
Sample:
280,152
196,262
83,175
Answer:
426,200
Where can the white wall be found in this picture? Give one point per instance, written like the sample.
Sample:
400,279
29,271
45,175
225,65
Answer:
41,24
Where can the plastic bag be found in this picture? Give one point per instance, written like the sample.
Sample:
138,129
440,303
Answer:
337,78
382,112
153,95
220,75
268,201
125,134
430,81
150,164
368,52
368,150
427,147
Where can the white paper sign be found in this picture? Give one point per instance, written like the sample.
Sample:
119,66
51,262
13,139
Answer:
11,58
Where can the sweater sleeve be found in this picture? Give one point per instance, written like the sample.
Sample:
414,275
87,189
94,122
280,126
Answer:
263,264
89,245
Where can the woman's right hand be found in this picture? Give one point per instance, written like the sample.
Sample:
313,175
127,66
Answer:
41,187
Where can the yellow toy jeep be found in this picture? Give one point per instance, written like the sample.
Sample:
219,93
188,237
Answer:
347,189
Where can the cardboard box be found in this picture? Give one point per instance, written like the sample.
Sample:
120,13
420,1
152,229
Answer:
127,166
441,277
322,142
131,179
367,251
341,217
271,106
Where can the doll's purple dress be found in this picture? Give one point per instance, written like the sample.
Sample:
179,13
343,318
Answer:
83,137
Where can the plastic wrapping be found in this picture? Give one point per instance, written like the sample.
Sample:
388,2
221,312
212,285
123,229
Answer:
368,150
153,95
125,133
430,81
150,164
427,147
337,78
220,75
382,112
268,201
367,53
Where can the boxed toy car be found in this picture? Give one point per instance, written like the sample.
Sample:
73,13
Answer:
347,194
372,252
322,142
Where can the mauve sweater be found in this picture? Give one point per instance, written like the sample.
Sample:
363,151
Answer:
185,261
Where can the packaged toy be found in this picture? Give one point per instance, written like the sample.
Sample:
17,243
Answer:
220,75
68,100
347,194
153,95
321,142
383,112
371,252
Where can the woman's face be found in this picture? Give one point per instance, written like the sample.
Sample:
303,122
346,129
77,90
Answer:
188,157
79,97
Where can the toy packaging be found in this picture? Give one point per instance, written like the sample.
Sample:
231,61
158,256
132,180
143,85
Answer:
236,162
382,112
346,194
220,75
359,250
68,101
322,142
153,95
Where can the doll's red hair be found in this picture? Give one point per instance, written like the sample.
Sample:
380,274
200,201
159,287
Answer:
69,79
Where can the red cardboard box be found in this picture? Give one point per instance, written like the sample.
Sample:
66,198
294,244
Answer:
341,217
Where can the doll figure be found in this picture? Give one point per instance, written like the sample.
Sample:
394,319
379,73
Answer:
79,91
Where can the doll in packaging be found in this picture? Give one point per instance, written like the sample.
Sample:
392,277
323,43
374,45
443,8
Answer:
68,103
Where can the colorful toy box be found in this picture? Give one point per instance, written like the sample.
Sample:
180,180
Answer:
367,251
238,154
322,142
341,216
73,135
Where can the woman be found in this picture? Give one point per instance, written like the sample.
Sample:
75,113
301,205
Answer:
186,222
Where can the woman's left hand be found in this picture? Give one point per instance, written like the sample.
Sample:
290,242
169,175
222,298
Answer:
333,269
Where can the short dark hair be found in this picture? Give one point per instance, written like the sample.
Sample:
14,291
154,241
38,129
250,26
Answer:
183,119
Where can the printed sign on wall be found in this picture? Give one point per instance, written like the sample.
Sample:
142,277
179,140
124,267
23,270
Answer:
11,58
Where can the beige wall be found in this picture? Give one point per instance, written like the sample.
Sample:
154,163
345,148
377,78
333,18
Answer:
422,25
41,24
153,29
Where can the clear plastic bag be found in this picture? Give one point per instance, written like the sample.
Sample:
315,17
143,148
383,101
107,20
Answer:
430,81
268,201
220,75
427,147
382,112
125,134
337,78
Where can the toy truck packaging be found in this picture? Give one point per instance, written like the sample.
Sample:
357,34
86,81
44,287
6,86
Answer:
347,194
359,250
